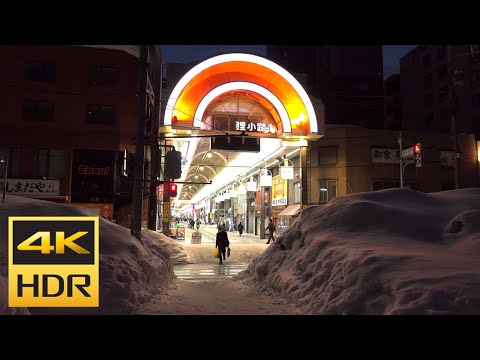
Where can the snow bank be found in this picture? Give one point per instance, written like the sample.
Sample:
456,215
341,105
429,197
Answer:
395,251
129,272
177,252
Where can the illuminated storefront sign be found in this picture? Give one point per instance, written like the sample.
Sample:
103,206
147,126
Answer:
280,191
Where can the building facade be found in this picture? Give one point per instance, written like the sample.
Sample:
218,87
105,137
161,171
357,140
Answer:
67,115
347,78
352,159
427,74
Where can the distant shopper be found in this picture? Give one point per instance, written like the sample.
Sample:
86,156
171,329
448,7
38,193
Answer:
192,224
222,243
271,229
198,223
240,228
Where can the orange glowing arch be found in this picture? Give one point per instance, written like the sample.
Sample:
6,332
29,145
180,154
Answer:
245,72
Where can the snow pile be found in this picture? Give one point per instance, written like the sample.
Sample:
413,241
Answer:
178,255
129,272
395,251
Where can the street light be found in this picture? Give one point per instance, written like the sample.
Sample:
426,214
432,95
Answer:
5,167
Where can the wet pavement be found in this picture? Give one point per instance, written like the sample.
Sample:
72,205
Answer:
208,271
206,268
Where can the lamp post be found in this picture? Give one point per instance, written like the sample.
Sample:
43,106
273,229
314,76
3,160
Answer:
5,168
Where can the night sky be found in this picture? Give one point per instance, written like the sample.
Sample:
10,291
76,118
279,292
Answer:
187,53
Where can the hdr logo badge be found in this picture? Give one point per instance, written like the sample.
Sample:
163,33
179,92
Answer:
53,261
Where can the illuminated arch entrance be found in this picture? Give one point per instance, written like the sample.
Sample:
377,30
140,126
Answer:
243,90
290,104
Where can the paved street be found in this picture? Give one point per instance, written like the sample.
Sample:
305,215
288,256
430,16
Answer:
209,232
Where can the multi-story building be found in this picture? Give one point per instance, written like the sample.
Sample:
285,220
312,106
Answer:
426,77
352,159
347,78
393,109
67,118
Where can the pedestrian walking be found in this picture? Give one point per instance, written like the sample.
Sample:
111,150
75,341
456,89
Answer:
271,229
240,228
222,244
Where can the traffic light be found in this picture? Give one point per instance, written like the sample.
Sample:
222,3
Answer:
173,165
173,190
417,149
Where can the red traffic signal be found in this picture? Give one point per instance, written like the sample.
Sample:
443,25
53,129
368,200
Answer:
173,190
417,149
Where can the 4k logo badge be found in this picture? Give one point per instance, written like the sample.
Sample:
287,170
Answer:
53,261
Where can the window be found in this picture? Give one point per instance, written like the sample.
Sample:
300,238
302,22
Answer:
427,81
443,72
328,190
42,72
51,163
427,60
476,100
443,94
297,192
327,156
475,78
445,120
100,114
428,120
441,51
14,156
99,75
428,99
37,110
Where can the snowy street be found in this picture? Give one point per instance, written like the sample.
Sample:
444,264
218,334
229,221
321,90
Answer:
223,297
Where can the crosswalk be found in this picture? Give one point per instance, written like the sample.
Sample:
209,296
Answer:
208,271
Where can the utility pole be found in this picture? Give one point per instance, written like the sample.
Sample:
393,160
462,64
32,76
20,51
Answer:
155,149
137,196
453,125
401,158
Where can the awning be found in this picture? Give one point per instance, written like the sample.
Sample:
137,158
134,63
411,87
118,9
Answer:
290,211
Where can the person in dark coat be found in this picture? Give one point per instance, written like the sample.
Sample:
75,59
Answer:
271,229
240,228
222,243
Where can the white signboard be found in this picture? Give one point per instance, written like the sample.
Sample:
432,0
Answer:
286,172
407,152
279,201
385,156
32,187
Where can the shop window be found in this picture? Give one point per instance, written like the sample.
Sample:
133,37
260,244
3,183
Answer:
14,156
51,163
328,190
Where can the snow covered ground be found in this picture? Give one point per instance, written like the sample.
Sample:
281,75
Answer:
395,251
129,272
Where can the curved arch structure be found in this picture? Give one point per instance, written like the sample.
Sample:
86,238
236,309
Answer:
242,85
229,72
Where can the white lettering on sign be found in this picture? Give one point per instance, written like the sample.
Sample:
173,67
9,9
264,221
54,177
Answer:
258,127
407,152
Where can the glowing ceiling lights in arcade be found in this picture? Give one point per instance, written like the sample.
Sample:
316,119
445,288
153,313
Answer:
224,73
